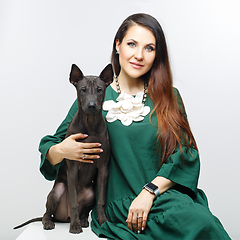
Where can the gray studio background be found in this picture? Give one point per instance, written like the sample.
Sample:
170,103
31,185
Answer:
39,40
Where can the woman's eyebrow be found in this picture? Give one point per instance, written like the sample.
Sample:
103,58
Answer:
137,42
151,44
132,40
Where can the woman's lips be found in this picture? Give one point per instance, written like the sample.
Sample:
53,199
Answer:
136,65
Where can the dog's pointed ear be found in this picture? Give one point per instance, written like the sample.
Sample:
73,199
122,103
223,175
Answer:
107,74
76,75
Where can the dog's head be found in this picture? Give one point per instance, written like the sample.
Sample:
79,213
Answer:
91,89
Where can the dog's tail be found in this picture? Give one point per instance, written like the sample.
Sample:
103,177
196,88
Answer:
29,221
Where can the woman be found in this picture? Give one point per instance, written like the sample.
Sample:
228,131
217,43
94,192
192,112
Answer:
154,167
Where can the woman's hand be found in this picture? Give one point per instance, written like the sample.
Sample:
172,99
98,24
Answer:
139,210
79,151
71,149
141,205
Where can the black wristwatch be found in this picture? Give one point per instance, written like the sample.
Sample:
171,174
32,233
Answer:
152,188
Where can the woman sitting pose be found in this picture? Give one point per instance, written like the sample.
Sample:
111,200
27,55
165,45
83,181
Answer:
154,168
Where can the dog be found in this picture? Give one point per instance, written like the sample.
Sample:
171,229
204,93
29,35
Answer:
73,195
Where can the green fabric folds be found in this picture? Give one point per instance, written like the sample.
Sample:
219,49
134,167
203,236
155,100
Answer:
49,171
179,213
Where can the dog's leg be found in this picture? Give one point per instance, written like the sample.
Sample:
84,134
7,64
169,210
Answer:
52,202
102,188
72,177
84,216
86,199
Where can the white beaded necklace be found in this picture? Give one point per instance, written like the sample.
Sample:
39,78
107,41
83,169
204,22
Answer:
144,94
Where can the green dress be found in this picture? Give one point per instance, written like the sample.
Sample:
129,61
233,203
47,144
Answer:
180,213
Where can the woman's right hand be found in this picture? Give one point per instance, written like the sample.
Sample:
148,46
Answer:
71,149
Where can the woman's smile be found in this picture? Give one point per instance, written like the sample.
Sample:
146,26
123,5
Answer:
136,65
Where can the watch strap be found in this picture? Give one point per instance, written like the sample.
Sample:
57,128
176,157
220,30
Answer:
152,188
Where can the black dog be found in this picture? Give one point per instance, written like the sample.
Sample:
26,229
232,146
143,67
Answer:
73,194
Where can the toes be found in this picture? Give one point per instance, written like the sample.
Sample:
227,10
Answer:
84,222
49,225
75,228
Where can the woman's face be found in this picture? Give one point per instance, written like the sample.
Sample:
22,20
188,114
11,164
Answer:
136,51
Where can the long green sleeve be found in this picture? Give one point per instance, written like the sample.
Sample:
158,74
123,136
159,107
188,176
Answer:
49,171
184,173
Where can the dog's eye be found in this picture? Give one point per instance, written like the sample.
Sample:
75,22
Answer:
83,90
99,90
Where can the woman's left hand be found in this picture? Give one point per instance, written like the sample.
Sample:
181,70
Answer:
139,210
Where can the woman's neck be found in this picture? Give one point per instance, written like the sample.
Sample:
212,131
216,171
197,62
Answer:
129,85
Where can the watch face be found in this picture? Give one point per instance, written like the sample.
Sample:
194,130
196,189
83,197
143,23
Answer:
152,186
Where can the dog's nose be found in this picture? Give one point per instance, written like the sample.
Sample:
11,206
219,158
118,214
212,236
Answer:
92,105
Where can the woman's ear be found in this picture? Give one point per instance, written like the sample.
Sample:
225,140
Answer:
117,45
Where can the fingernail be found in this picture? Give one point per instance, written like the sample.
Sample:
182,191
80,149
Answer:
142,228
99,144
98,156
101,150
139,231
85,135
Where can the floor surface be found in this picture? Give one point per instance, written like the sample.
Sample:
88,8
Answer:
61,232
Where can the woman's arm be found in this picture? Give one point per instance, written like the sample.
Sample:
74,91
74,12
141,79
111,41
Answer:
172,173
71,149
141,205
163,184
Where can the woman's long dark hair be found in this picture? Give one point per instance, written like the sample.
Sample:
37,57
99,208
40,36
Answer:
174,130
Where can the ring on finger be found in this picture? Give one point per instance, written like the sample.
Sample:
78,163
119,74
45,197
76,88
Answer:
140,222
84,156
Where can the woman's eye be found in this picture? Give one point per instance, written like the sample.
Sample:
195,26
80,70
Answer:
131,44
83,90
150,48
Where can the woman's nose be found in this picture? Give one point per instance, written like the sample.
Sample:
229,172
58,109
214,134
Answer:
139,54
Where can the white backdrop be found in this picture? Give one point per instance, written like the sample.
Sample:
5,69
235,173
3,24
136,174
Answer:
39,40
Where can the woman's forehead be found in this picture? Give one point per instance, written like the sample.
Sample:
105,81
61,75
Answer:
140,34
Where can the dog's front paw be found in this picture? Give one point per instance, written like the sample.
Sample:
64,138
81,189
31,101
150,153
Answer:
102,219
84,222
48,225
75,228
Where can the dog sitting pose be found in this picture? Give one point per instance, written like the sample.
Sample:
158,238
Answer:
73,196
